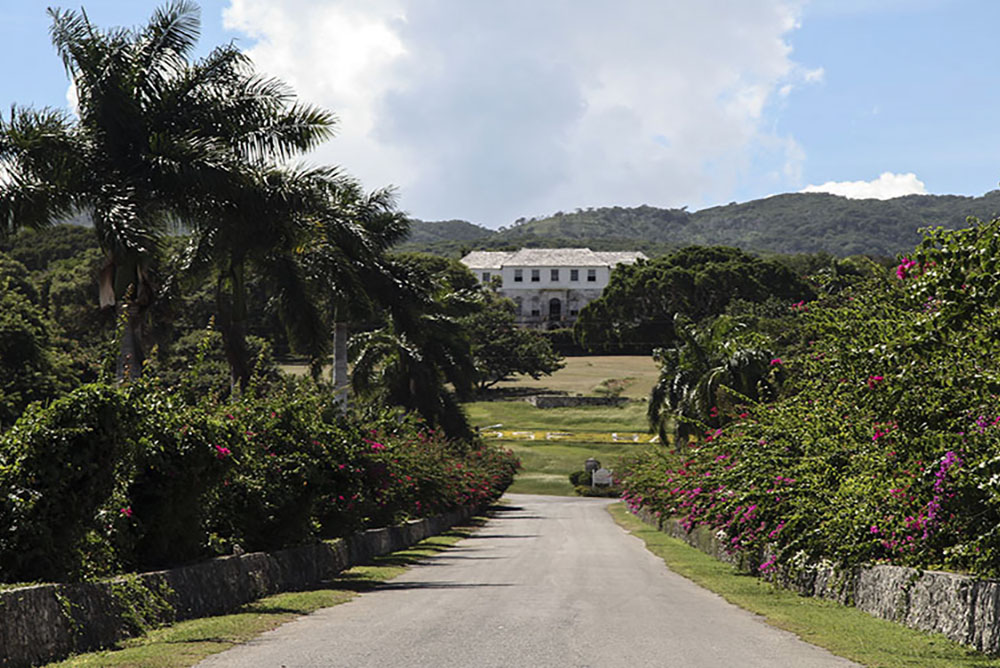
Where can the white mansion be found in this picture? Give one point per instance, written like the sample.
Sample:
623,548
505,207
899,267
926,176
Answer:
549,286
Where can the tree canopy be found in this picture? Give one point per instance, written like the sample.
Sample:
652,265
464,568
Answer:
636,311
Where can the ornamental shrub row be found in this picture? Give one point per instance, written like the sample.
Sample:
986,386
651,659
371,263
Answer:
109,479
886,444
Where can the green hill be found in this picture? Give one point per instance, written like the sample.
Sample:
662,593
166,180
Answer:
792,223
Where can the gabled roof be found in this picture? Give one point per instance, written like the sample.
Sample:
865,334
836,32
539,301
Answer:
620,257
486,259
554,257
549,257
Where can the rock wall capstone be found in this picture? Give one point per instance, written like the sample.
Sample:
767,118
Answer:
562,401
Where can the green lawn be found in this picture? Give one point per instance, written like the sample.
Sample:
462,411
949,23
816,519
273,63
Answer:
522,415
546,466
583,375
843,630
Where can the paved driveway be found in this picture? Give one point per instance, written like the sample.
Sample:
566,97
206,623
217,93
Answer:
548,582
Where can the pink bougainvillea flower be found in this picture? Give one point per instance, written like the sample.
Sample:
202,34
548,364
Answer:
874,380
776,361
221,451
904,266
126,511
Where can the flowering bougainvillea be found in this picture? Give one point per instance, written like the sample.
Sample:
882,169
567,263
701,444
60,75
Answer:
885,443
111,478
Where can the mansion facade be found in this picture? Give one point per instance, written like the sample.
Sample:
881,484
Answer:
548,286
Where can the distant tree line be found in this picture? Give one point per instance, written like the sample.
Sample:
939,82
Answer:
792,223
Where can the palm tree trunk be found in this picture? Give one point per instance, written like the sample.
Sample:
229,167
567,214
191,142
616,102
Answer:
341,382
232,323
124,278
130,355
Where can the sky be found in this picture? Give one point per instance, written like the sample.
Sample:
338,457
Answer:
491,111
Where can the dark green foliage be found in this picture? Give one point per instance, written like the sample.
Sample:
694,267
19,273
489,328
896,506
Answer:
424,233
177,466
886,442
792,223
501,349
563,343
14,278
422,346
427,269
196,364
142,477
635,312
708,375
62,469
38,249
268,500
31,368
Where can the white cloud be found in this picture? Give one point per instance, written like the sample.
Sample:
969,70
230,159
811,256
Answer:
814,76
72,99
886,186
490,111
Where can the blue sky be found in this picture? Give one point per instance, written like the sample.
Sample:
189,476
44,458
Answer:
492,111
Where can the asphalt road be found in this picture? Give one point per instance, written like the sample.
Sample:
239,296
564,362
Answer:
549,582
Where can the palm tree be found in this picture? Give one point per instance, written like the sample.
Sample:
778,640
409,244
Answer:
349,271
708,372
421,348
156,137
318,240
260,224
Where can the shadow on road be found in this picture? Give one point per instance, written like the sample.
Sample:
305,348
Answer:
439,585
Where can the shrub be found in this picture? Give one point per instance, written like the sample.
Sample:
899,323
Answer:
181,459
887,446
30,367
62,469
278,465
139,477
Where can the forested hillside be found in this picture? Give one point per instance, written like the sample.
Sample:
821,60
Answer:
791,223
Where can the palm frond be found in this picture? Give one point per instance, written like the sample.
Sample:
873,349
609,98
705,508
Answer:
171,33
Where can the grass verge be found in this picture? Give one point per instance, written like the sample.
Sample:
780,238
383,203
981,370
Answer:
845,631
188,642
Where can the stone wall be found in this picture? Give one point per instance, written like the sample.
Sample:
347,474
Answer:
560,401
42,623
963,608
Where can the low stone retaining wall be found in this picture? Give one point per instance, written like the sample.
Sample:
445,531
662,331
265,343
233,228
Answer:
561,401
963,608
42,623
